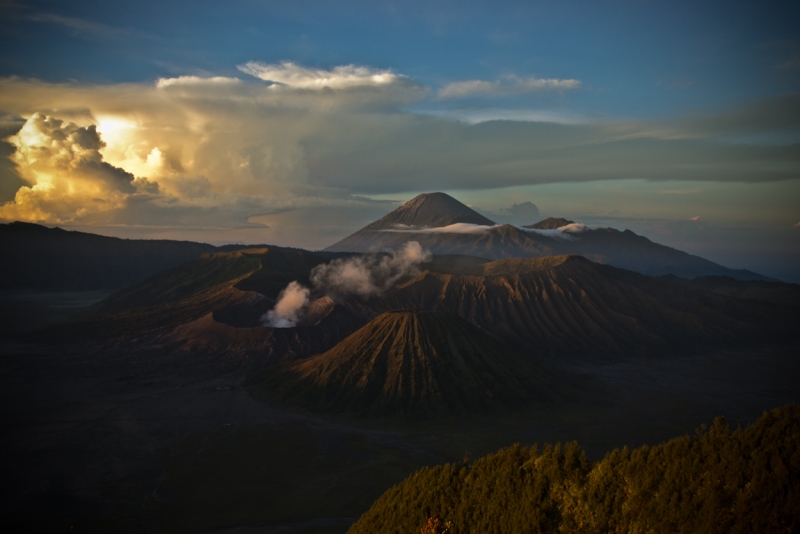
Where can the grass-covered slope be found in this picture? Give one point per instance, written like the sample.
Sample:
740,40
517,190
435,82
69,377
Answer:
720,481
413,364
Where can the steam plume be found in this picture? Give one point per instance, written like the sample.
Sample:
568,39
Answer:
363,276
290,300
367,275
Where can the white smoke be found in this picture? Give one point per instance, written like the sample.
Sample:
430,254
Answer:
363,276
290,301
367,275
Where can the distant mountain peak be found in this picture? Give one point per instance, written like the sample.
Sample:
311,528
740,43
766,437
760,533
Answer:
551,223
430,210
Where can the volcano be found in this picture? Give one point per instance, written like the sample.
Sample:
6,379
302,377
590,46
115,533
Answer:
412,363
433,221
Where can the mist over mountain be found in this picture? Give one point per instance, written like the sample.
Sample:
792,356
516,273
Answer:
429,210
440,224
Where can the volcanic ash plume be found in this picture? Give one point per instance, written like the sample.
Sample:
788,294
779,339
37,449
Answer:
367,275
290,301
363,276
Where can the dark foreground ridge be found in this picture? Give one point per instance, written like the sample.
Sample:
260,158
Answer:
412,363
720,481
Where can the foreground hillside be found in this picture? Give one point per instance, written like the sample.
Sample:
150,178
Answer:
719,481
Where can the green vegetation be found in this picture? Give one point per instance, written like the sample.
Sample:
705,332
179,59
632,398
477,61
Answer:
747,480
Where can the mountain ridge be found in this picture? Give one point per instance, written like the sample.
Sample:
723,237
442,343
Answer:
623,249
411,363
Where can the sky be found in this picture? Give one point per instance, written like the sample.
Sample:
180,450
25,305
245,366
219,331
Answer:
297,123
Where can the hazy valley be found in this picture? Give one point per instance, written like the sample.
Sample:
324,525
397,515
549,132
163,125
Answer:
179,387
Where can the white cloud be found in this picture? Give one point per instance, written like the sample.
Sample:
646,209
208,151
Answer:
563,232
509,86
293,76
215,152
457,228
195,80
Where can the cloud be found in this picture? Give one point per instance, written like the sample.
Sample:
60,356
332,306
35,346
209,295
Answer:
216,151
509,86
195,80
457,228
67,176
796,225
485,114
292,76
84,28
695,218
563,232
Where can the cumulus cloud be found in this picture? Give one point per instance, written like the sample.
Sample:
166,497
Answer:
362,276
66,173
509,86
218,151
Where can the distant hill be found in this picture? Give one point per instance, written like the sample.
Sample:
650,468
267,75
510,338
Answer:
51,259
551,223
412,363
416,221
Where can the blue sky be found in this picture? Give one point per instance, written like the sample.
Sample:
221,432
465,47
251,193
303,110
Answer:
564,104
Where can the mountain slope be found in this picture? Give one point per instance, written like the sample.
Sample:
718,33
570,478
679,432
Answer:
411,363
213,282
52,259
431,210
551,223
568,306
